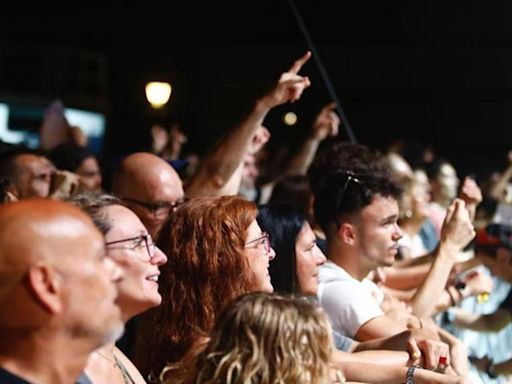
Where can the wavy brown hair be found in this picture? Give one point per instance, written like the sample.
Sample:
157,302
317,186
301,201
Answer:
267,339
206,269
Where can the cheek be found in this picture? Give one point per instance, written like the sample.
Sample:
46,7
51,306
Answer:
304,266
133,274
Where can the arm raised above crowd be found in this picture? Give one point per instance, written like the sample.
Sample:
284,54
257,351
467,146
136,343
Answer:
220,165
326,124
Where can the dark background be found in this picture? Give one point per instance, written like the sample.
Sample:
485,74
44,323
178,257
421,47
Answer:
438,72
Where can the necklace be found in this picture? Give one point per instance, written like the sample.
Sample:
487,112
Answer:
112,361
127,379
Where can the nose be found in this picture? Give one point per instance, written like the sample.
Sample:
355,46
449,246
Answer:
271,254
320,257
159,258
113,269
398,234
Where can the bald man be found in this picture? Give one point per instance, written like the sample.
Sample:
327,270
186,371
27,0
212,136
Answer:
150,187
57,292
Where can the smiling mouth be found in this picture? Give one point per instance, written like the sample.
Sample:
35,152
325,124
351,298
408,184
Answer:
153,278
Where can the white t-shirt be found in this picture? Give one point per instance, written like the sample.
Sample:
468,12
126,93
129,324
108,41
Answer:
348,302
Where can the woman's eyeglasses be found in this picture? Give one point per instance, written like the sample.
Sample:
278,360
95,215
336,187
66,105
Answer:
264,240
137,242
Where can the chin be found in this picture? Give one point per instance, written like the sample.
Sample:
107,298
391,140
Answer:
154,301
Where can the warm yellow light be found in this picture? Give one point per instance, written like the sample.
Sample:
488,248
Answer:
158,93
290,118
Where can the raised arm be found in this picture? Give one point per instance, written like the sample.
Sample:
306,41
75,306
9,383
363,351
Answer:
457,231
220,164
326,124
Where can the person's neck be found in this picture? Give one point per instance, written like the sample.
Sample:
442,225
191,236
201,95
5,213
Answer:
345,258
44,358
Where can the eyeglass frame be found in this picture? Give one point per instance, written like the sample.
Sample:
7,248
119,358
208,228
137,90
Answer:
341,196
150,247
266,244
153,208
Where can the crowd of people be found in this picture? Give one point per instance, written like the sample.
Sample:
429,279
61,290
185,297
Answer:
349,265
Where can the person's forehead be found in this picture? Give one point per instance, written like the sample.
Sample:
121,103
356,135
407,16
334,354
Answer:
254,228
89,162
380,207
162,187
306,234
30,160
124,221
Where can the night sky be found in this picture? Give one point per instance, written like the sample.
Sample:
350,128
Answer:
434,71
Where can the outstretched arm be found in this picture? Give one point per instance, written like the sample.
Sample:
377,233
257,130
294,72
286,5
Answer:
326,124
221,163
457,231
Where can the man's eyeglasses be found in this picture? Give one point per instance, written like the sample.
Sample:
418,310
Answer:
159,210
264,240
137,242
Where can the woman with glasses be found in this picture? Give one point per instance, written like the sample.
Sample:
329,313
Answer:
130,246
216,252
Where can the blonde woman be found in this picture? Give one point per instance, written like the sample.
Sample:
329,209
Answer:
264,338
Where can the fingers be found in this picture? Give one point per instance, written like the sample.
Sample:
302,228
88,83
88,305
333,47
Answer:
455,206
295,87
414,351
471,191
295,68
335,124
434,353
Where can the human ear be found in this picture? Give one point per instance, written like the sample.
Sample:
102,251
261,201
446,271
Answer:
45,285
347,233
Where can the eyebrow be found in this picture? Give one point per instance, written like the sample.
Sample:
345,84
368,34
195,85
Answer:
388,219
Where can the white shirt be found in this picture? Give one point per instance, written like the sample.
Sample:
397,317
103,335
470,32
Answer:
348,302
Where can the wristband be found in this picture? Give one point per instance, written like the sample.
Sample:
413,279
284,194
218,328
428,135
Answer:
409,378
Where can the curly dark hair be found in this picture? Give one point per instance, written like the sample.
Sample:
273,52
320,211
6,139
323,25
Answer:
345,178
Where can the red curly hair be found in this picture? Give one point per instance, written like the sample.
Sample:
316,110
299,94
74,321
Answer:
206,269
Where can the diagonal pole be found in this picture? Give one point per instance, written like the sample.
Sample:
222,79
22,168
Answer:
323,72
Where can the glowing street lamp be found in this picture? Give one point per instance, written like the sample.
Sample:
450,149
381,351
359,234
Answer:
158,93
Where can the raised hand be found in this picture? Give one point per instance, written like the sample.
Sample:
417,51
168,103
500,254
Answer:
260,138
290,86
457,230
327,122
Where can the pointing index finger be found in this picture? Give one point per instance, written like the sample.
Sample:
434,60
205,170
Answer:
295,68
